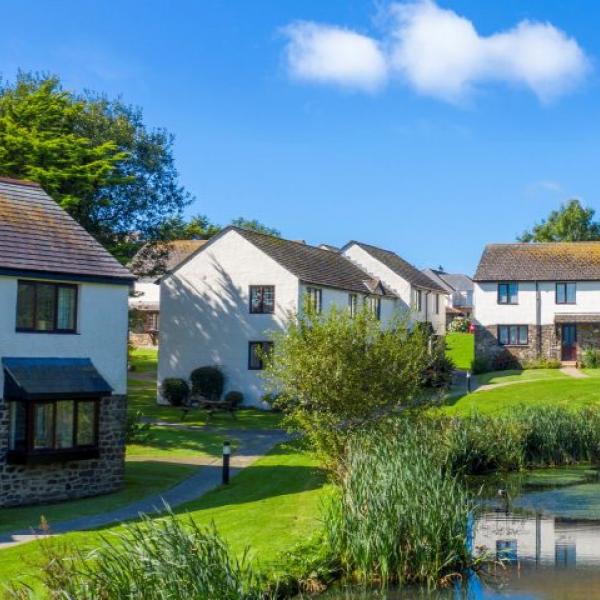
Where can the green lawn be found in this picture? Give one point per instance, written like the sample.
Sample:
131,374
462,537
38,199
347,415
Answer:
270,506
141,479
460,347
495,377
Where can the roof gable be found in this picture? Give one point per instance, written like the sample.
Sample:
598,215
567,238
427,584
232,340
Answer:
399,266
554,261
37,236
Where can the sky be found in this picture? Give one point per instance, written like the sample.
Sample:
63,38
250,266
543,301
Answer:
426,128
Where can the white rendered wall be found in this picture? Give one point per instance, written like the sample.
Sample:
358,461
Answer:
102,324
144,292
205,317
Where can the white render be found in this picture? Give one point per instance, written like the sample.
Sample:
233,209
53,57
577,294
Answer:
488,312
145,292
102,324
205,317
403,289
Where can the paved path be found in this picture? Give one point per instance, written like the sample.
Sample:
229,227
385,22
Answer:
573,372
253,445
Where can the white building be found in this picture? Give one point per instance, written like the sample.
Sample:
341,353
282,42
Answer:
63,353
537,301
225,300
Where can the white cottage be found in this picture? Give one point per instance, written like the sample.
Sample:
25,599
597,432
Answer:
223,303
63,353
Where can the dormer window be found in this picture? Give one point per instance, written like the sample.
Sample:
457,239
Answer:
44,307
508,293
262,299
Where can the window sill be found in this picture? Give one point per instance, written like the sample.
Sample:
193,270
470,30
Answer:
47,332
51,456
513,345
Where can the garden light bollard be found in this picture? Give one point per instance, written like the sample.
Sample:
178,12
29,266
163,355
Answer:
226,455
468,382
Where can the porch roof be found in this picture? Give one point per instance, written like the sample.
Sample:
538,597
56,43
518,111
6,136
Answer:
577,317
46,378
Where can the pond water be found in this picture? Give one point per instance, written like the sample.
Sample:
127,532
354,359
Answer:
544,529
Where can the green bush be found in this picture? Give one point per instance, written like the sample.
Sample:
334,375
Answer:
440,369
591,358
176,391
138,431
459,325
154,559
542,363
234,398
480,365
208,382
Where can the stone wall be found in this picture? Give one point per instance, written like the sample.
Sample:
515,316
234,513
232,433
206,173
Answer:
36,484
543,343
588,336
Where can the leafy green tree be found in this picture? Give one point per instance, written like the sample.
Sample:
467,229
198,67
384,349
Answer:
572,222
332,373
95,156
254,225
196,228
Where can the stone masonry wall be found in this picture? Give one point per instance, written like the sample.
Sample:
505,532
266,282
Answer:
543,343
36,484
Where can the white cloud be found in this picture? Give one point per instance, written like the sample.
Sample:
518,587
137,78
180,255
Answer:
438,53
334,55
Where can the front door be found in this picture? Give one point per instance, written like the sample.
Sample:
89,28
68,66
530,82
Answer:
569,342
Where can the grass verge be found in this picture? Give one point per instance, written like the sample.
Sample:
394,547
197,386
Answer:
460,348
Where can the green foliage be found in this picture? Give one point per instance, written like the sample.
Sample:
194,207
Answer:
591,358
234,398
481,365
176,391
159,559
459,325
570,223
197,228
138,431
254,225
398,516
208,382
92,155
542,363
334,373
439,368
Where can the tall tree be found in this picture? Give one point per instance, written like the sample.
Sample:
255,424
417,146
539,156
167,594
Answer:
95,156
254,225
201,228
572,222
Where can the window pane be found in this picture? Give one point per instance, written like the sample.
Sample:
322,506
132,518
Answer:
43,426
86,423
523,334
503,334
255,362
17,431
25,304
502,293
560,293
352,304
571,293
64,423
255,299
268,297
65,318
514,293
513,335
44,317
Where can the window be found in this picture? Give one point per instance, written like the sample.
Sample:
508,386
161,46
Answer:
46,307
566,293
418,300
314,298
508,293
437,303
262,299
353,304
41,430
257,352
374,304
513,335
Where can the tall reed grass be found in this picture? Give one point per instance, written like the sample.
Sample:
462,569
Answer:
398,517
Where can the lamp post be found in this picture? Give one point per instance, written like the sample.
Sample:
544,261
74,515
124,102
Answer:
226,455
468,382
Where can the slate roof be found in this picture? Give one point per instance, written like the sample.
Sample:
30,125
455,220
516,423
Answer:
400,267
314,265
451,282
38,236
555,261
161,258
38,378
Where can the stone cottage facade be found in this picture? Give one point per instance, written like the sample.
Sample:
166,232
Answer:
537,301
63,354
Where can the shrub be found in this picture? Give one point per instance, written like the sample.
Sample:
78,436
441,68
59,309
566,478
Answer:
542,363
480,365
459,325
591,358
154,560
137,431
439,370
503,361
234,398
208,382
176,391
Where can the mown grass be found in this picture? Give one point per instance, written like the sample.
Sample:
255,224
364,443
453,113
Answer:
270,506
496,377
460,347
141,479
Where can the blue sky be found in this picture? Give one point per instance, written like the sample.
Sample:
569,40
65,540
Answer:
427,129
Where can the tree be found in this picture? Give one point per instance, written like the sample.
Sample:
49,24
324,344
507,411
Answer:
93,155
333,373
201,228
254,225
572,222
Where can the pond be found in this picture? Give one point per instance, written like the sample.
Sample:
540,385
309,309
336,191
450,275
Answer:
542,527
